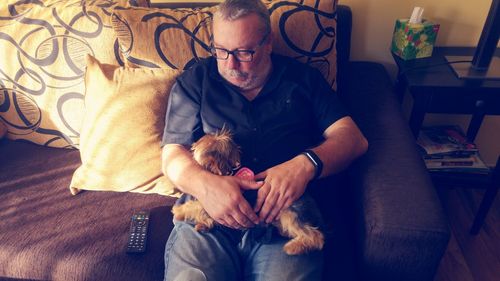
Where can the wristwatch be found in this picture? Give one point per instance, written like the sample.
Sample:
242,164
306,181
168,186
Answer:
316,161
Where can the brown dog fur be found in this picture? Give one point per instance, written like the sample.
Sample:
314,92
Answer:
220,155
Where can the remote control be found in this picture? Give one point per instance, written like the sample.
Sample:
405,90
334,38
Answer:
138,232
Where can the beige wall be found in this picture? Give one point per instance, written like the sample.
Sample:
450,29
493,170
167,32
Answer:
461,24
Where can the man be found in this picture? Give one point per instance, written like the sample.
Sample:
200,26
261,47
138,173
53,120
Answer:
276,109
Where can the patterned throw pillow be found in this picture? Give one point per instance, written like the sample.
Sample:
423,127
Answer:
121,133
42,62
9,8
3,129
177,38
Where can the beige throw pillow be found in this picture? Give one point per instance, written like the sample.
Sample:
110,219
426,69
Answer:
122,129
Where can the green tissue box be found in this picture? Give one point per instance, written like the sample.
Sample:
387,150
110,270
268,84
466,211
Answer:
414,40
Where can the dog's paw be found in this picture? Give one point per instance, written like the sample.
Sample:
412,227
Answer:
303,244
294,248
179,217
178,213
201,227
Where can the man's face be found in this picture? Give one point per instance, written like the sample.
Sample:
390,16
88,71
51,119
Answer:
243,34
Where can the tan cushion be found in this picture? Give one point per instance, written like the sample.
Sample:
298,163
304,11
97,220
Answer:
176,38
184,36
122,129
19,6
17,9
140,3
42,64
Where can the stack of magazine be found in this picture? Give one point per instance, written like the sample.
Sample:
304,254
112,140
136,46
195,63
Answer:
446,149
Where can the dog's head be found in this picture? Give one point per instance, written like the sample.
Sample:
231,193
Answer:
217,153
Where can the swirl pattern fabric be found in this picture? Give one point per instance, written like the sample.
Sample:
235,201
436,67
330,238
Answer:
177,38
43,45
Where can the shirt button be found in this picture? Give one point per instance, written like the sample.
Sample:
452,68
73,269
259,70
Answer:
255,159
254,129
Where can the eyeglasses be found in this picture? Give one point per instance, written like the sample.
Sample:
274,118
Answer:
239,55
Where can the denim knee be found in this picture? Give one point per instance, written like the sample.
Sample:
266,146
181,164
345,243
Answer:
191,274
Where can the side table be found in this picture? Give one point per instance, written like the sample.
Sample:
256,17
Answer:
435,89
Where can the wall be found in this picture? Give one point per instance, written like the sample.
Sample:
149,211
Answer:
461,24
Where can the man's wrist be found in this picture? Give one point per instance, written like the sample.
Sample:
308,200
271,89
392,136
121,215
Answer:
307,167
204,180
314,159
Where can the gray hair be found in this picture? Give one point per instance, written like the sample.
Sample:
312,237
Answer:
231,10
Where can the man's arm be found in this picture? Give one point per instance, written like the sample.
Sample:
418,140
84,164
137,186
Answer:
220,196
343,143
286,182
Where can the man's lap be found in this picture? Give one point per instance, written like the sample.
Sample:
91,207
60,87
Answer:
226,254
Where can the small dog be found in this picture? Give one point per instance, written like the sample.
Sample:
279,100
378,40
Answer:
219,154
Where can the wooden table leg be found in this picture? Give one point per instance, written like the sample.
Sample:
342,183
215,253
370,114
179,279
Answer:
420,103
400,89
476,120
487,201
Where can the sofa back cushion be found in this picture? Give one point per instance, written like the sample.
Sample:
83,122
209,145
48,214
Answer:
3,129
122,128
177,38
42,62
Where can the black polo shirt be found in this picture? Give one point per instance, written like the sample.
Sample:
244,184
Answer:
288,116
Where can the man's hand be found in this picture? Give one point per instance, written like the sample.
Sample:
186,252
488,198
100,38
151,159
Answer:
220,196
283,184
223,200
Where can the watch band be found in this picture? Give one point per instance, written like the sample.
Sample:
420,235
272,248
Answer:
316,161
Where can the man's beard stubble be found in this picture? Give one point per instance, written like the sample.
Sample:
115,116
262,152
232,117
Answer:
248,80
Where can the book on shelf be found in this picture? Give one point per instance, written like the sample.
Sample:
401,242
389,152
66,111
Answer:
445,140
447,149
470,164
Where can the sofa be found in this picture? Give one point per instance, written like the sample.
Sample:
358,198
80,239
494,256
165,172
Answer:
384,219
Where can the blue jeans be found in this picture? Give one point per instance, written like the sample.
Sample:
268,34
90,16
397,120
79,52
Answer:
229,254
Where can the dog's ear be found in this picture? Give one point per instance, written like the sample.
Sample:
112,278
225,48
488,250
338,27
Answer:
215,165
217,153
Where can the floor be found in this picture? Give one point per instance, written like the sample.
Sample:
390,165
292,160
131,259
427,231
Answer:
468,257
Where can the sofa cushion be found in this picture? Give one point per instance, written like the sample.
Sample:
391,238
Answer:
168,38
10,8
122,129
3,129
48,234
42,63
177,38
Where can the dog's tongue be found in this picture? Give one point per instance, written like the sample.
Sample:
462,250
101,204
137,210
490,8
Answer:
245,173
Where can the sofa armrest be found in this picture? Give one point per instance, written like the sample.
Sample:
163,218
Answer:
402,229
